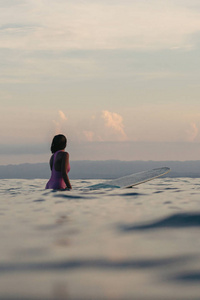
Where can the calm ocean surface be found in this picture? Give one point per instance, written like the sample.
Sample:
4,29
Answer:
141,243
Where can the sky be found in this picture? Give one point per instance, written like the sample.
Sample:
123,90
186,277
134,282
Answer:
120,78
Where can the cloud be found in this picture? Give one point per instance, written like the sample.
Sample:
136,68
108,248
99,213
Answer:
62,115
10,3
103,126
89,135
80,25
57,127
59,124
115,122
192,132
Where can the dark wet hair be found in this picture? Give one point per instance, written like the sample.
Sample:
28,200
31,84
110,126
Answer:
59,142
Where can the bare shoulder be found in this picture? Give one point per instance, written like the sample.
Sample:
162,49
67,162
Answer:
65,156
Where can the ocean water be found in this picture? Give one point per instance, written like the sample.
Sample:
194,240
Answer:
140,243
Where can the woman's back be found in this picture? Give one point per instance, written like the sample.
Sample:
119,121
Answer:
57,161
58,168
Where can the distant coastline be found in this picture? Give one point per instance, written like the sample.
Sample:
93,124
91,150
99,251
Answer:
101,169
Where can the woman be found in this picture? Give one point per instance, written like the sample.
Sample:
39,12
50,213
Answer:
59,164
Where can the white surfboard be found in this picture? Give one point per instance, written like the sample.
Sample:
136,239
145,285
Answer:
131,180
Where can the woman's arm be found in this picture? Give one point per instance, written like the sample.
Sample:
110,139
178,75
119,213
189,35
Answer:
51,162
64,167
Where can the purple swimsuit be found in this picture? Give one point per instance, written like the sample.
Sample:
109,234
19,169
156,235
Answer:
56,182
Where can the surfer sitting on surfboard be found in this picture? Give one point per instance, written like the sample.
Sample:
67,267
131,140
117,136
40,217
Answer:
59,164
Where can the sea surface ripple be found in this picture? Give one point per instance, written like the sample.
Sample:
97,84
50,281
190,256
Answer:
140,243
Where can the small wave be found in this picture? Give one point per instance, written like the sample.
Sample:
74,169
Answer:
68,196
171,189
80,195
98,263
158,192
102,186
167,202
188,277
179,220
132,194
39,200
